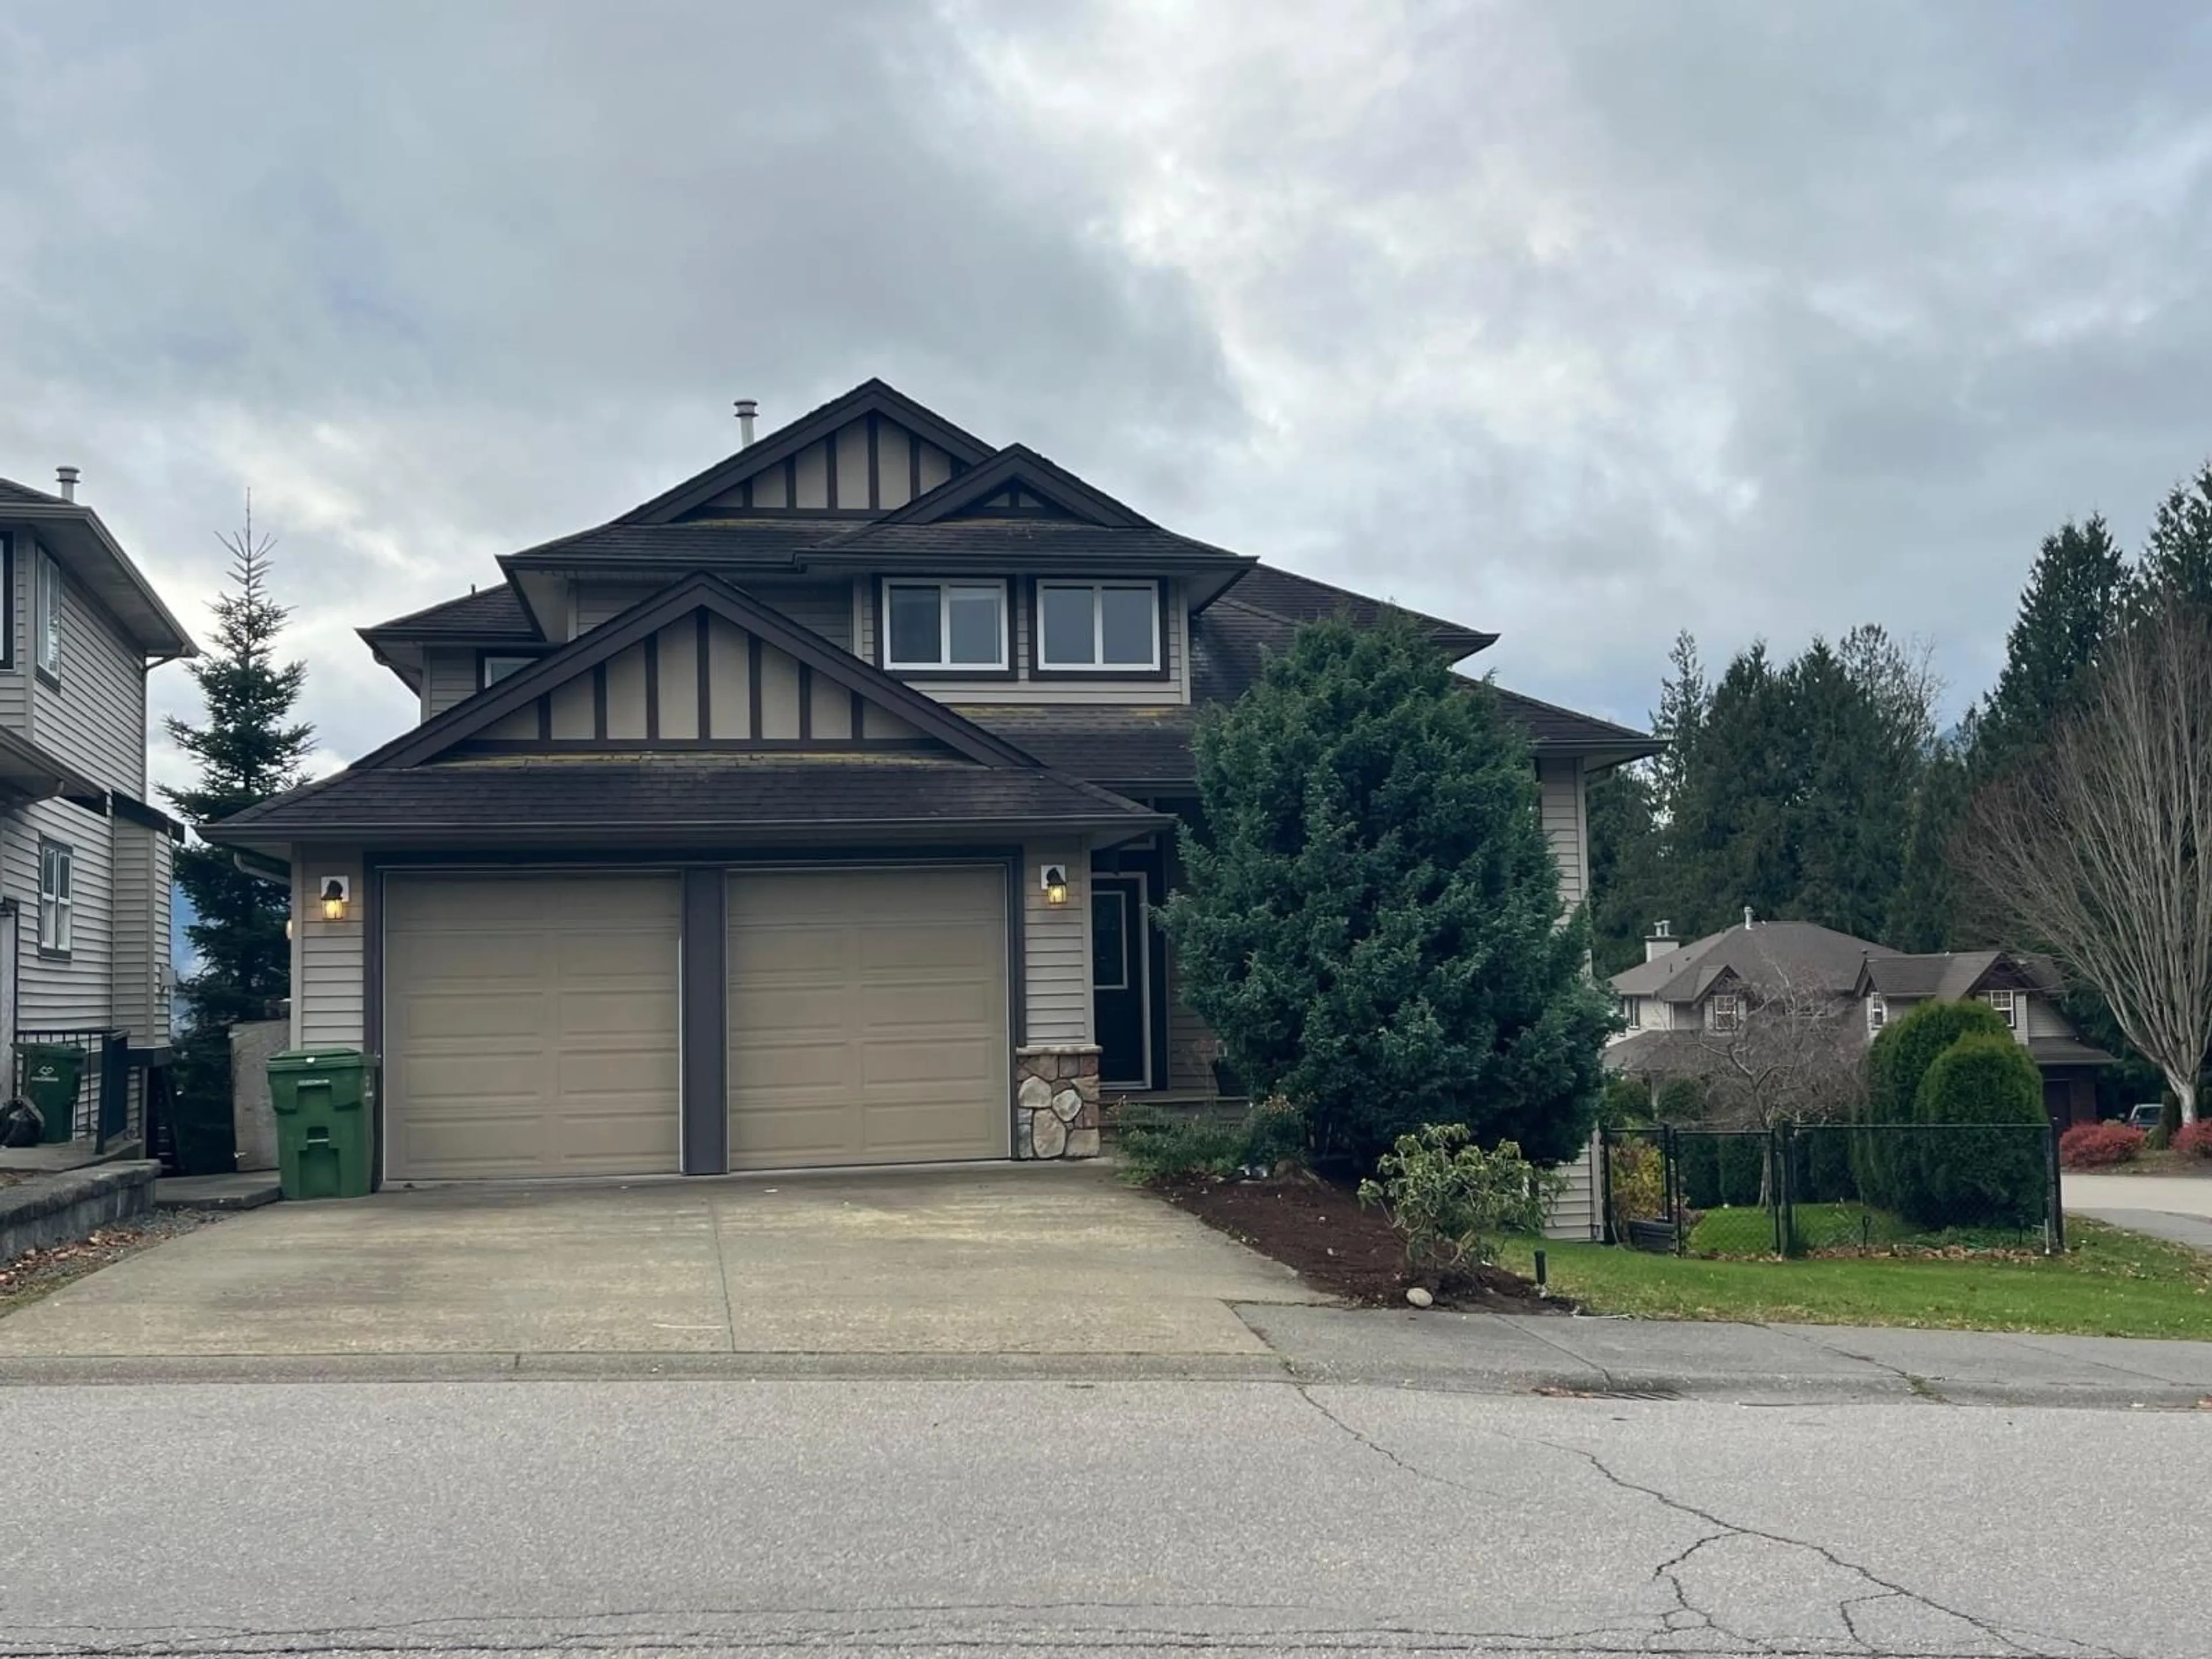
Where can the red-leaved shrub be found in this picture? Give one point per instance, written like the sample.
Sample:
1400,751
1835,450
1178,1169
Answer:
2193,1139
2087,1145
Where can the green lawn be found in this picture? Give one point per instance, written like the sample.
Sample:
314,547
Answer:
2109,1283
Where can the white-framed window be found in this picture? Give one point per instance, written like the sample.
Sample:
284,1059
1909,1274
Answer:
2007,1005
1724,1014
46,616
1109,627
947,626
492,670
1877,1012
1632,1010
56,868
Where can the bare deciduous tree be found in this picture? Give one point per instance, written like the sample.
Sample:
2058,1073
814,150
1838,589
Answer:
2102,851
1797,1056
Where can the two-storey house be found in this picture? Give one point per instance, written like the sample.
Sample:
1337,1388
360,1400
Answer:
84,858
1688,1000
810,813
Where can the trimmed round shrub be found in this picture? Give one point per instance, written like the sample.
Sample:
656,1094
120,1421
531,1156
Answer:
1897,1062
1980,1161
1627,1101
2095,1146
2193,1139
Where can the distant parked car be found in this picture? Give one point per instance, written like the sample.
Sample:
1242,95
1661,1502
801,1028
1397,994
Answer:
2144,1117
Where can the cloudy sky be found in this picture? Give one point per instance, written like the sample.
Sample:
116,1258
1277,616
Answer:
1579,320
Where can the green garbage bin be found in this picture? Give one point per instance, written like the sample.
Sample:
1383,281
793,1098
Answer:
322,1097
52,1073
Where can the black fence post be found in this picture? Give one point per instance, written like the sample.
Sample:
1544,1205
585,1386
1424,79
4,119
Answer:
1778,1184
1605,1185
2055,1227
1670,1186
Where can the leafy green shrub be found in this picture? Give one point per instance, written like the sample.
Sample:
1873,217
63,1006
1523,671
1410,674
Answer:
1992,1173
1627,1102
1820,1169
1681,1100
1720,1168
1896,1063
1455,1202
1164,1145
1637,1184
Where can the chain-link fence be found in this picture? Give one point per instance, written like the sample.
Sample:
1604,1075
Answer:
1799,1189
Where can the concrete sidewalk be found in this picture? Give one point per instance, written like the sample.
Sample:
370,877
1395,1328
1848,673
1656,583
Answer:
1491,1353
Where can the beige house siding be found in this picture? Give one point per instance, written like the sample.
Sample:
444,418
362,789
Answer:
1056,946
448,677
139,966
16,678
57,993
1561,798
96,719
328,965
1575,1211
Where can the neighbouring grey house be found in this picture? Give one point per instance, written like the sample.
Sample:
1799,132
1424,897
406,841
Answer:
1688,997
84,859
810,813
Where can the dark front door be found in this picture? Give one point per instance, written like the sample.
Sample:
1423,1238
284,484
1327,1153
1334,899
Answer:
1118,967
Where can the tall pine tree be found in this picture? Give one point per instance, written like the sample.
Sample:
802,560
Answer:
2073,597
247,751
2177,559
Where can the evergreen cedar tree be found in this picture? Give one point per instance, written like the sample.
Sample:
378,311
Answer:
1987,1172
246,753
1910,1172
1370,918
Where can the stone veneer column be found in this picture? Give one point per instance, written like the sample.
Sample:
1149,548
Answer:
1056,1100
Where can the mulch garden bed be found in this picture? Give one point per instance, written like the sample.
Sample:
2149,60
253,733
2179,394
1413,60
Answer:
1322,1232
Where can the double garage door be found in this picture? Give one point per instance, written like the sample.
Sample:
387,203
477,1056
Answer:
530,1023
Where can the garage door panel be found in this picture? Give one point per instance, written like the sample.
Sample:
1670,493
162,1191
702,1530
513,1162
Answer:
868,1018
530,1026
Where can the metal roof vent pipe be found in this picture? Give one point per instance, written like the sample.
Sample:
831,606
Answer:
747,409
68,475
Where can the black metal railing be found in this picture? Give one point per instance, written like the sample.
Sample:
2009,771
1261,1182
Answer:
1804,1189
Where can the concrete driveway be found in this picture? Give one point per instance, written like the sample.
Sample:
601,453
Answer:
2178,1207
1035,1261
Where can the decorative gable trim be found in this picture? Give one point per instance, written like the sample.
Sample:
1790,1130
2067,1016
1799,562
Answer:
505,713
1018,466
871,397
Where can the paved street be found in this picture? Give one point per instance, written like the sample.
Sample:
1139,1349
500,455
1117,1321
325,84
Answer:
2176,1207
1127,1518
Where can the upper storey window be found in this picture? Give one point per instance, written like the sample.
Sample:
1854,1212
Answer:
1110,626
947,626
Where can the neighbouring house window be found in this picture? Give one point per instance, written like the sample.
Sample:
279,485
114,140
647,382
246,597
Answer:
948,625
1632,1010
2007,1005
1101,625
55,870
1877,1013
495,669
46,626
1725,1013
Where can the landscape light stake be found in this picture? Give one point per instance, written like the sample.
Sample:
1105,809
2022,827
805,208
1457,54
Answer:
1541,1289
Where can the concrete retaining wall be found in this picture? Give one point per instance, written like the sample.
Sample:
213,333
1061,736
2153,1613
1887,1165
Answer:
252,1045
60,1209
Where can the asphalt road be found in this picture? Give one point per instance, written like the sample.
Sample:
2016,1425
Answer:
921,1517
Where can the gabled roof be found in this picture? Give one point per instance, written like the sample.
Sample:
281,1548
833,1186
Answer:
697,544
702,591
1948,976
1039,543
1764,956
495,613
74,532
872,396
1285,594
1018,465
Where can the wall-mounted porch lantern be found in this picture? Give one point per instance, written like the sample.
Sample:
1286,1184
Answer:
1055,884
336,891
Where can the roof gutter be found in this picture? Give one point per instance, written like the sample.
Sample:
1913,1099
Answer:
76,514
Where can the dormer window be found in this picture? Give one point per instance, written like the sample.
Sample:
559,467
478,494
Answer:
2007,1007
1099,627
944,626
1877,1012
1724,1014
